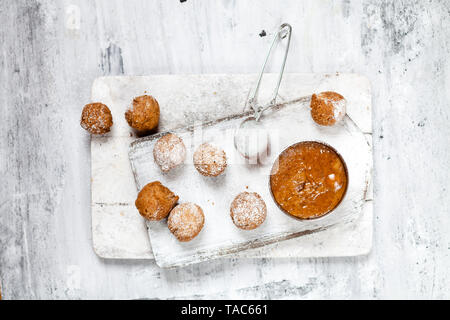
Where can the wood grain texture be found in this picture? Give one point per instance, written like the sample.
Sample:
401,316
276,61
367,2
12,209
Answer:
50,53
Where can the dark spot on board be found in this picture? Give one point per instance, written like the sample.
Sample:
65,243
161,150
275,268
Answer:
262,33
421,123
381,137
111,60
33,15
182,1
346,8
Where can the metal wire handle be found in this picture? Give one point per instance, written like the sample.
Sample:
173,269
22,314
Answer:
284,31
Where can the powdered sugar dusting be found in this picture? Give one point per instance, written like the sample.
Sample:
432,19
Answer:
248,210
209,160
186,221
169,152
339,109
96,118
338,106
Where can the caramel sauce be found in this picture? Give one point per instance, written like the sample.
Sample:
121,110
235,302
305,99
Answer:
308,180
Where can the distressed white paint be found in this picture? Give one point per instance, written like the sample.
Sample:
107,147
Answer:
45,78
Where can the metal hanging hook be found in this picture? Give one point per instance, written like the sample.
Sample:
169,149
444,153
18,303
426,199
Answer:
284,31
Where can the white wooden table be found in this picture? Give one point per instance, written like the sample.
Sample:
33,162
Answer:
52,50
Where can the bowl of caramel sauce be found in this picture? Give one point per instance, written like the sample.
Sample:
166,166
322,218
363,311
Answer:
308,180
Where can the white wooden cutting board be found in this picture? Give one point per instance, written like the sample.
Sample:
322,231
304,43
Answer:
119,231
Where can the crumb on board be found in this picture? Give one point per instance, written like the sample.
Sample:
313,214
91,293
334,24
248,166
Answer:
262,33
